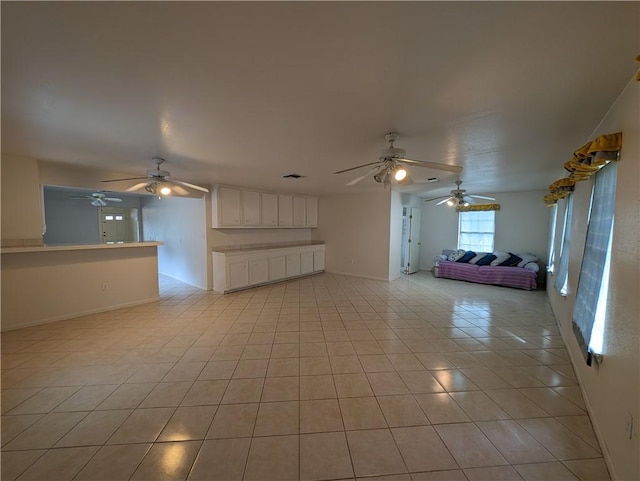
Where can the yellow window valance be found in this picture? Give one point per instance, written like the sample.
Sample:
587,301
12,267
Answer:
594,155
477,207
586,161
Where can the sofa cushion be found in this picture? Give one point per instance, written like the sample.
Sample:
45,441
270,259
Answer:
512,261
455,255
500,258
486,260
467,257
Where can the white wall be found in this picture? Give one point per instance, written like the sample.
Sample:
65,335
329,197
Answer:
612,388
180,223
39,287
395,236
522,225
22,217
355,228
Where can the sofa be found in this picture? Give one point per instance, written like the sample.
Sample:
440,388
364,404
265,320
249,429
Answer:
497,268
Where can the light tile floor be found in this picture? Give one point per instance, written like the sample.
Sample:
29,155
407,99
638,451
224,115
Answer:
323,378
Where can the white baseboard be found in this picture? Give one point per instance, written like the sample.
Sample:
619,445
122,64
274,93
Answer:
350,274
72,315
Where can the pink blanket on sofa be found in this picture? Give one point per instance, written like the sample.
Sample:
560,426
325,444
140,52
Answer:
498,275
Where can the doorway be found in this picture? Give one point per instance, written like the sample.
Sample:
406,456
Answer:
410,254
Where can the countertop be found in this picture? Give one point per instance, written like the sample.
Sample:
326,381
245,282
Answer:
76,247
264,247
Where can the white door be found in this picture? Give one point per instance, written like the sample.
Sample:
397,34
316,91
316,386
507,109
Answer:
115,225
413,241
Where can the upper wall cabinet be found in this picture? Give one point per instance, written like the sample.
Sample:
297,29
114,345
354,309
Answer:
240,208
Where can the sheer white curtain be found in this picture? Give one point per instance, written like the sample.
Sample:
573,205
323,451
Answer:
563,266
593,275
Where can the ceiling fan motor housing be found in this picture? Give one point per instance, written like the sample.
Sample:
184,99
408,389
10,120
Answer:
392,153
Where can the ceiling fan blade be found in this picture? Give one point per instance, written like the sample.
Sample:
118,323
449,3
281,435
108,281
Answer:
358,167
180,190
187,184
139,186
128,178
433,165
446,200
482,197
112,199
81,198
358,179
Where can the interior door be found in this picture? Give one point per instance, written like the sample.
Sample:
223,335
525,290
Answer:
114,225
413,240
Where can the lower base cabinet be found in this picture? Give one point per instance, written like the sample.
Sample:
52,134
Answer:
243,269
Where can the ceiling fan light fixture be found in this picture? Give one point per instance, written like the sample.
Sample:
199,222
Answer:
165,190
451,203
399,173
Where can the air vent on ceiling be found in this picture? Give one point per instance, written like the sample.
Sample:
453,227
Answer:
293,176
432,179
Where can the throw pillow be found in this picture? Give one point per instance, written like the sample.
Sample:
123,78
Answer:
467,257
486,260
500,258
526,258
479,255
455,255
532,266
512,261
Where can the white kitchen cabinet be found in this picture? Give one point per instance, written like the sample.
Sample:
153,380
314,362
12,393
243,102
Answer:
311,206
277,268
293,264
318,259
238,273
269,209
299,211
258,270
228,207
240,269
285,210
306,262
250,205
235,208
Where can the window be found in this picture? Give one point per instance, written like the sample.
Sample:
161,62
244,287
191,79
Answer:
563,266
476,230
591,297
552,238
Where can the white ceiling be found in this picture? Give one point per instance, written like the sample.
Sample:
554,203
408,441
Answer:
243,93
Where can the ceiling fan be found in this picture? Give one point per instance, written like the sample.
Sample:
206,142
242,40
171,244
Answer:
98,199
159,182
459,197
389,165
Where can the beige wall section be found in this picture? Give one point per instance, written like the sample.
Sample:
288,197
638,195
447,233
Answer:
522,225
355,228
39,287
612,388
22,213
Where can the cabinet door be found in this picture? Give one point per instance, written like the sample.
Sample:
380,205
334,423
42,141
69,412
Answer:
299,211
318,260
277,268
312,212
306,262
285,210
237,273
229,206
259,270
293,264
250,207
269,209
